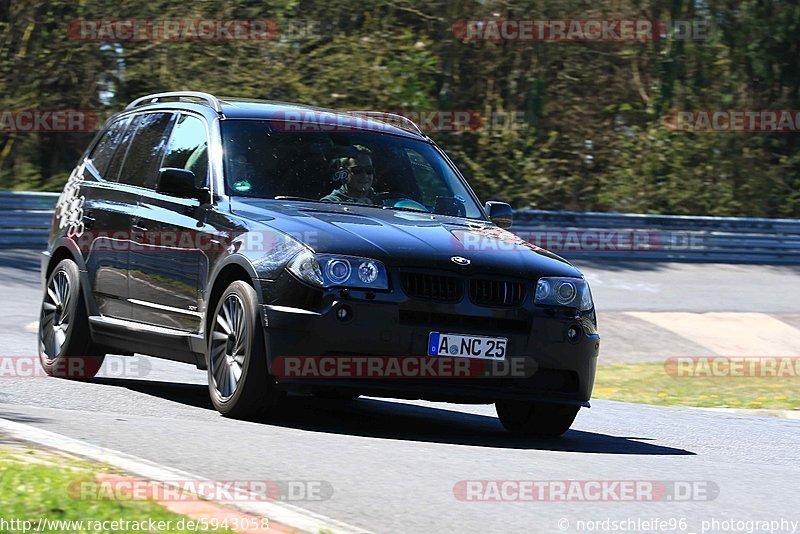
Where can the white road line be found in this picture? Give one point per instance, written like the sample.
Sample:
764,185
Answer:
286,514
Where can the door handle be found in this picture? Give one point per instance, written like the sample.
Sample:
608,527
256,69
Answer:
138,232
88,220
136,226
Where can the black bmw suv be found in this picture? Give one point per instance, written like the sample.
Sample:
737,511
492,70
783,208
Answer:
290,248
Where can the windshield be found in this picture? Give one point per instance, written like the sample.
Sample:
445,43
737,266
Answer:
353,167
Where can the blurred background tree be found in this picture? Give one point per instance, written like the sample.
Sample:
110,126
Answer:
592,138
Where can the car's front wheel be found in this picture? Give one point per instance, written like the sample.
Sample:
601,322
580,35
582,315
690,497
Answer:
65,345
238,377
535,418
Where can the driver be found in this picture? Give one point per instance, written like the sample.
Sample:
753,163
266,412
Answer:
356,174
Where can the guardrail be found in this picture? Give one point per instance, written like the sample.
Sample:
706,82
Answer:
25,222
25,218
633,237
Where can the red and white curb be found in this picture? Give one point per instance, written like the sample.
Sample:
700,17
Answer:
285,515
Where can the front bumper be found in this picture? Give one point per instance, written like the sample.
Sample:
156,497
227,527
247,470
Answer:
387,324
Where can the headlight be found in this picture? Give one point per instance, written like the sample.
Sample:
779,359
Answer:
566,292
306,267
328,270
338,271
368,271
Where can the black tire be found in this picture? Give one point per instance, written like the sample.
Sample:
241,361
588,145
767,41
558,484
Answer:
65,344
536,419
237,346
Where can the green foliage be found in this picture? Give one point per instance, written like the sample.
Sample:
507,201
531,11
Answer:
647,383
670,172
38,485
593,137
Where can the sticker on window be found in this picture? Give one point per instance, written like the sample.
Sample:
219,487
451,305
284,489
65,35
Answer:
242,186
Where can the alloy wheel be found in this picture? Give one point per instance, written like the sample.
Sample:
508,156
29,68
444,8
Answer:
229,346
56,314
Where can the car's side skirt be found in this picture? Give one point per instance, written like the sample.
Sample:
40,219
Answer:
135,337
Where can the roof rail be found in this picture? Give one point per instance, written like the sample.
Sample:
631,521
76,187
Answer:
209,99
404,122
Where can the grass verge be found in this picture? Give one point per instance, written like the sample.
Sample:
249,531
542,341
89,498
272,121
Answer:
34,486
649,383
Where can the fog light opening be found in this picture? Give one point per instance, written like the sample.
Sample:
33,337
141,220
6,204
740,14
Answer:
573,333
344,313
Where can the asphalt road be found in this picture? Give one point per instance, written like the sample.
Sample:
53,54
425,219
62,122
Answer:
693,287
393,465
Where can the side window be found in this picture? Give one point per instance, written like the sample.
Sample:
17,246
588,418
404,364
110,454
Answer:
104,150
112,174
188,148
146,150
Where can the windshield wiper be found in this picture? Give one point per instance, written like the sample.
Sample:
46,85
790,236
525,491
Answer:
384,207
302,199
413,210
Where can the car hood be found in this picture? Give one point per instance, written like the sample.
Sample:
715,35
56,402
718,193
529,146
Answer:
405,238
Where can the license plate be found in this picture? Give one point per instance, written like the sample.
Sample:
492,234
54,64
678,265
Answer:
466,346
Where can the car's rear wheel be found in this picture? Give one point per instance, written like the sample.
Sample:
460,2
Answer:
65,344
536,418
238,378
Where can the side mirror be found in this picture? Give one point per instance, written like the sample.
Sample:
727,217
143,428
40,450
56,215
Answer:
500,213
180,183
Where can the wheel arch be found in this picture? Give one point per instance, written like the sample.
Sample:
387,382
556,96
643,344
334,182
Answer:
67,249
233,269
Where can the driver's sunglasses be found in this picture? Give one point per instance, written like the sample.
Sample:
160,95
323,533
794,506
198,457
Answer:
362,170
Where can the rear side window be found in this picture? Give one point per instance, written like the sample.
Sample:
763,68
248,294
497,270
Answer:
146,149
104,150
112,174
188,148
